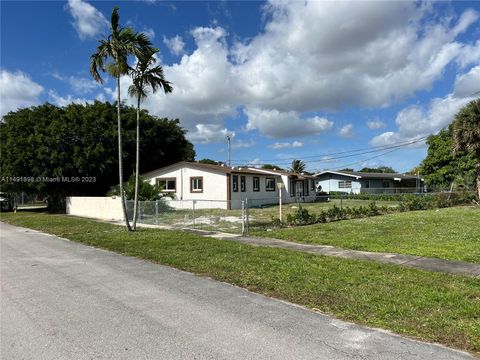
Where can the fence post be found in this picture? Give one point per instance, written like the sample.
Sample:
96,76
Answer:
243,217
193,213
341,202
247,213
156,212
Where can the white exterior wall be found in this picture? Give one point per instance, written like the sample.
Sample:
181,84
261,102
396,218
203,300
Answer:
263,197
255,198
214,187
105,208
331,184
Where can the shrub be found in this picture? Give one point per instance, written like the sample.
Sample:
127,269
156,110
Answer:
301,217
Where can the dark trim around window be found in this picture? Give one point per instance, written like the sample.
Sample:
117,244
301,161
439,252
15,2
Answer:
235,183
266,184
256,187
192,178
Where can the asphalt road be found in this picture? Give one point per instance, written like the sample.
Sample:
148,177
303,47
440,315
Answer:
63,300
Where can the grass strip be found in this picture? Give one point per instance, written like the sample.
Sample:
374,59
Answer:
425,305
452,233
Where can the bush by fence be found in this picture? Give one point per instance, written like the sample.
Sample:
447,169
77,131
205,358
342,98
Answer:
407,202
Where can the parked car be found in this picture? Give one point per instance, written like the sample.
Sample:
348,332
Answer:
6,202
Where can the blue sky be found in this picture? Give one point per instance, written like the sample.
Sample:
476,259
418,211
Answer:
287,80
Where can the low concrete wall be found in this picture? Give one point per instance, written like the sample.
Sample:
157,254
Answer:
105,208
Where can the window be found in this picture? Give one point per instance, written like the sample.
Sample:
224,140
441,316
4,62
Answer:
196,184
292,187
256,183
270,184
242,184
167,184
235,183
385,183
367,184
345,184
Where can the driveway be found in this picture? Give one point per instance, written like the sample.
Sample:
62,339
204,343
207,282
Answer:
63,300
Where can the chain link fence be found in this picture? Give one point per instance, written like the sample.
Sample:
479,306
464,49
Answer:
238,217
209,215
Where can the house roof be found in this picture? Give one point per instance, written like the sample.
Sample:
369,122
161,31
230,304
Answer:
365,175
228,170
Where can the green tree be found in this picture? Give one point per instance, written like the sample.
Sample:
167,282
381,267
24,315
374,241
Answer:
145,191
380,169
442,167
118,46
209,162
144,76
79,141
298,166
271,167
466,134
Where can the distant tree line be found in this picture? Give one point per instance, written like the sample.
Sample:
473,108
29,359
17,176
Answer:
72,150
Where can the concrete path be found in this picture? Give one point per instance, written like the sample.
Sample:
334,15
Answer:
419,262
64,300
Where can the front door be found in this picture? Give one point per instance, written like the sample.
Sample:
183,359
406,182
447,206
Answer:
299,188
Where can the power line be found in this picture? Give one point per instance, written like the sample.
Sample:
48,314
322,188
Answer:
349,153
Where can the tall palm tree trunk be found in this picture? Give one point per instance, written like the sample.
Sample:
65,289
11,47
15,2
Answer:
120,157
137,168
477,168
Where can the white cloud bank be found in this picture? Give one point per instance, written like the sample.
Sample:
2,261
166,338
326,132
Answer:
312,56
416,121
17,90
87,20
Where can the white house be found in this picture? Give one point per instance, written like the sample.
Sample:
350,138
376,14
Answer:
371,183
216,186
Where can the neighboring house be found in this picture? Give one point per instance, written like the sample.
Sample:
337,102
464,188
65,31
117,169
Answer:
216,186
369,183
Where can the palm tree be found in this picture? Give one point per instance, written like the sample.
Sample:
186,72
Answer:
119,44
466,134
298,166
145,75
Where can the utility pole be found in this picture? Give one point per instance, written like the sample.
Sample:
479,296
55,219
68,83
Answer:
228,141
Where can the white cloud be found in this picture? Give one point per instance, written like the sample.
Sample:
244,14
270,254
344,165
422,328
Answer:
78,84
87,20
207,133
283,145
470,54
174,44
311,56
149,32
17,90
66,100
238,144
468,84
375,124
346,131
415,121
275,124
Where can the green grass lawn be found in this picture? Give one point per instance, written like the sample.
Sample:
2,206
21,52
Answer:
426,305
452,233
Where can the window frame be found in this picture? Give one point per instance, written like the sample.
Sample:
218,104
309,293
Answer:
243,183
192,179
274,183
235,183
167,179
257,178
344,184
385,182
